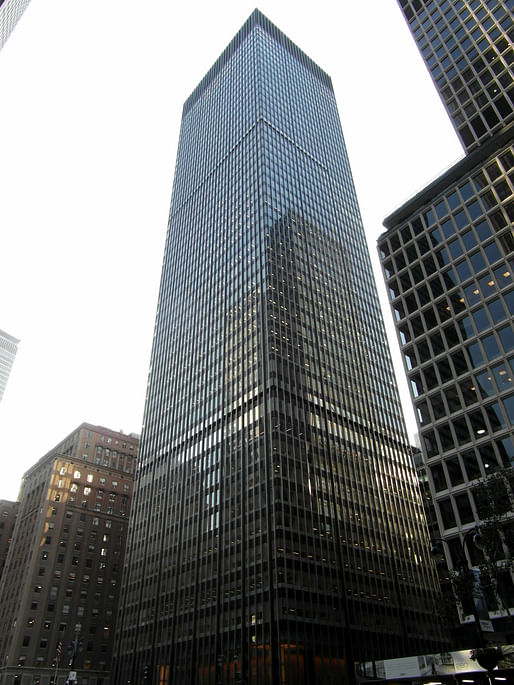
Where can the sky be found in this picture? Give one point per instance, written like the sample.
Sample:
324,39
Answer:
91,101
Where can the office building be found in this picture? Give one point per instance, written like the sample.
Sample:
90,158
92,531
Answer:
10,13
8,349
62,578
448,260
8,511
278,530
467,47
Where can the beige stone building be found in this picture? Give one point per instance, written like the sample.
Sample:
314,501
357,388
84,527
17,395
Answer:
61,581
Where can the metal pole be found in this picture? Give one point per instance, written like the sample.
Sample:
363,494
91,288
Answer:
465,567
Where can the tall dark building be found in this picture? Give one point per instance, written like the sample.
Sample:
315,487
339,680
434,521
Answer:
278,531
10,12
62,576
448,260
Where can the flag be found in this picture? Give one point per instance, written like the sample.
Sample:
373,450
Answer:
58,651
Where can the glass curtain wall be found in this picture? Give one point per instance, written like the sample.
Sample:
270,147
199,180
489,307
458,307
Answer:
278,529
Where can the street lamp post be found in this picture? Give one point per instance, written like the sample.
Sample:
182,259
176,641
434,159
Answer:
465,568
487,657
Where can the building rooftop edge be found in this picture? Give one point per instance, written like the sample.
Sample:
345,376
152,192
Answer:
257,18
53,452
434,188
3,334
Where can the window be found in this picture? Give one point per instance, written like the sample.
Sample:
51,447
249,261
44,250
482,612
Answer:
495,416
430,443
506,336
497,311
508,403
475,355
447,514
454,471
471,465
490,345
438,478
480,319
464,508
461,431
485,384
503,376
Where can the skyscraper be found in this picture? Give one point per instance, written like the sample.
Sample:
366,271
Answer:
10,12
8,349
278,528
448,260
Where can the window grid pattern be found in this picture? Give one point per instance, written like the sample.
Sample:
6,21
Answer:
278,527
449,270
467,47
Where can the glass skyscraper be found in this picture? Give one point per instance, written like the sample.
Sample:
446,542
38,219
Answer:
278,531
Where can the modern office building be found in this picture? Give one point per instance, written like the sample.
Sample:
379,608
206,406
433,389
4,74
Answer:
8,512
467,47
10,12
448,260
8,349
278,530
62,578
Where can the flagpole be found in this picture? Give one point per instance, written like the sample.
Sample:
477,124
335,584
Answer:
58,656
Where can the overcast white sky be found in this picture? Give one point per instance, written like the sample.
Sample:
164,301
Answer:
91,99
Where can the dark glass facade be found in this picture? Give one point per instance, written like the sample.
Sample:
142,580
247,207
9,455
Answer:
278,530
467,47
